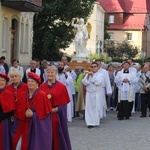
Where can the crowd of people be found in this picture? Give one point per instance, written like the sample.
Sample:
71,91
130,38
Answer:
33,113
36,104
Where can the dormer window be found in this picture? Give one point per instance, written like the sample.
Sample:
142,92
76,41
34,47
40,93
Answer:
111,19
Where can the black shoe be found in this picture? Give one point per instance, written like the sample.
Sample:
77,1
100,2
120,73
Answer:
127,118
142,116
77,114
120,118
90,127
149,115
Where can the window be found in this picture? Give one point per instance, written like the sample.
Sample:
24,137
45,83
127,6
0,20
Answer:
5,33
111,19
129,36
26,46
111,36
22,38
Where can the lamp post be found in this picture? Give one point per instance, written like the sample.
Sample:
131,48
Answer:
144,55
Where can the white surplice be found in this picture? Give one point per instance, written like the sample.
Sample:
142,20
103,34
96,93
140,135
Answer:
107,89
126,90
106,80
94,104
68,83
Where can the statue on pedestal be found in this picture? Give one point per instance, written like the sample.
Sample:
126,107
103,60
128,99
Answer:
82,33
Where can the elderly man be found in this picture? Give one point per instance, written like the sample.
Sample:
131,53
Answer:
125,81
144,82
32,68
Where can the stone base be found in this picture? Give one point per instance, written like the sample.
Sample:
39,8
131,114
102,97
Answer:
80,59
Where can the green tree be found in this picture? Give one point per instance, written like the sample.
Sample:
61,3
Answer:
126,50
110,48
122,50
106,26
52,29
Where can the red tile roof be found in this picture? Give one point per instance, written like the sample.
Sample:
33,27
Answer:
133,21
111,5
134,6
134,12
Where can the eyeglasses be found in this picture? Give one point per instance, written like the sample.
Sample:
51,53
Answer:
93,66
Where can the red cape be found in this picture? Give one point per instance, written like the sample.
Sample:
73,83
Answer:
61,98
42,108
21,88
58,96
40,103
7,101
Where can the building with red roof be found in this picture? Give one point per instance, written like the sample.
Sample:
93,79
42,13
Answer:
129,20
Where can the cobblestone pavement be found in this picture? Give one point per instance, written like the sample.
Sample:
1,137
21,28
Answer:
112,134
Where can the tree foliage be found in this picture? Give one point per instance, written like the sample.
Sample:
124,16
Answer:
106,26
52,29
122,50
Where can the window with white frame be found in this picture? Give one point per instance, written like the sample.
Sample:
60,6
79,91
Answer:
22,38
111,36
26,37
111,19
129,36
5,33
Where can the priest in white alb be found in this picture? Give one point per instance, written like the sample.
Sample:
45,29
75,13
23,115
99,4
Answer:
94,82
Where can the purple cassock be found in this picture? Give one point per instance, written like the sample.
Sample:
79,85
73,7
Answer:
36,132
39,133
6,135
64,140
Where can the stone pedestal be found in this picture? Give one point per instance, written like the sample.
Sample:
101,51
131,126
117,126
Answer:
80,59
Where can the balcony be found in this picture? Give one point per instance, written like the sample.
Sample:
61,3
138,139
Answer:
24,5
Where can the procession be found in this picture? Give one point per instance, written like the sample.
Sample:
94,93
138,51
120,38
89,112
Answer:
74,75
42,100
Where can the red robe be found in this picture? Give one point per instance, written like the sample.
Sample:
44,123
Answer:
41,108
7,103
22,87
58,96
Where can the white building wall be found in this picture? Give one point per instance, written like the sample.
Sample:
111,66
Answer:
121,36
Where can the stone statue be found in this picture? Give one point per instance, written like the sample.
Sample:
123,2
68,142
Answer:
81,36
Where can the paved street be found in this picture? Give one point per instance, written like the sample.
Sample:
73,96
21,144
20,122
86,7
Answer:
132,134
